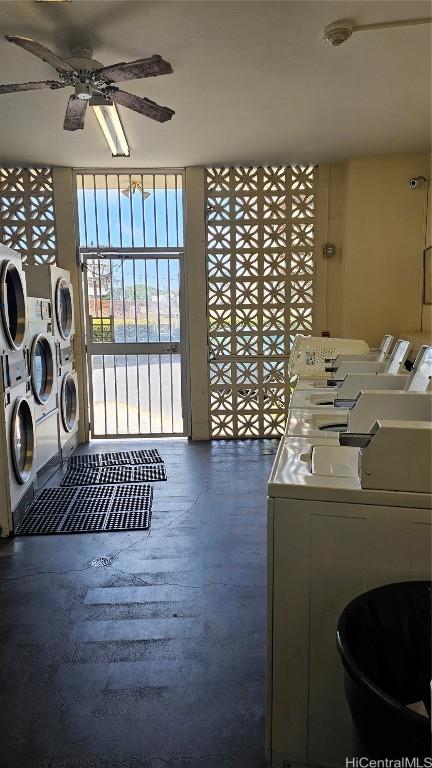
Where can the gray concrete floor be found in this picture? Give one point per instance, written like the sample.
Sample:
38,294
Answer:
158,659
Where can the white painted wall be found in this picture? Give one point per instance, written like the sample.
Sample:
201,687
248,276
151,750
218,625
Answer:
374,283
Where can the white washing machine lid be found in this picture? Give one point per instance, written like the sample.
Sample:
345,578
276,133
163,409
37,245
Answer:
292,477
63,307
42,368
69,402
335,461
13,304
316,421
312,399
22,439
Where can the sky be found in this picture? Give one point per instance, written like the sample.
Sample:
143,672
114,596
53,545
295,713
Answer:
107,217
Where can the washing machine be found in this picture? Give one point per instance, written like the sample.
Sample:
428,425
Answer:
68,410
44,381
54,283
341,520
393,364
316,422
343,395
370,405
341,367
17,432
17,455
380,354
309,356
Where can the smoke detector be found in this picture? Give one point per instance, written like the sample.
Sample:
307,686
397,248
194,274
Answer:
338,32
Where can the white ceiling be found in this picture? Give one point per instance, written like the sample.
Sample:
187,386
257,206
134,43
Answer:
253,82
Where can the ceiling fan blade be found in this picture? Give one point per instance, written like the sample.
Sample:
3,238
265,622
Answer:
134,70
143,106
41,52
75,114
15,87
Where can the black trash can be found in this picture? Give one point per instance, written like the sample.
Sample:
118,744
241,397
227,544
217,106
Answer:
384,641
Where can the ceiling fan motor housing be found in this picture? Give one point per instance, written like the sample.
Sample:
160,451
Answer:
82,60
83,91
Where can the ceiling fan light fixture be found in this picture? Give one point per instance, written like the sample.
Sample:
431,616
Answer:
110,123
83,92
135,186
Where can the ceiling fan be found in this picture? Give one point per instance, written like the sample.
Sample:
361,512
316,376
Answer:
93,83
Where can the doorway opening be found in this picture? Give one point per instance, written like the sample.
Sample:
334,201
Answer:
131,242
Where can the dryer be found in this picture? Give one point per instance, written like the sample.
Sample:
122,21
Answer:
13,320
54,283
44,381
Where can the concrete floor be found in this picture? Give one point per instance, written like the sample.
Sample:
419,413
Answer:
158,659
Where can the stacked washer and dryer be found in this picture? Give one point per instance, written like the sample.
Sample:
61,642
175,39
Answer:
43,377
38,380
17,423
53,285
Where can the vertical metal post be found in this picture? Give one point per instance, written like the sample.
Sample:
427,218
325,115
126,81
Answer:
143,210
102,334
89,333
166,212
159,338
170,335
119,212
176,208
154,211
131,211
95,210
84,209
126,356
148,339
107,209
136,339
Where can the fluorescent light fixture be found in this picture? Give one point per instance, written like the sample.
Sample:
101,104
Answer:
109,120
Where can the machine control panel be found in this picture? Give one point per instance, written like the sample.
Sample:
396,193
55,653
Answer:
66,355
14,372
4,372
42,309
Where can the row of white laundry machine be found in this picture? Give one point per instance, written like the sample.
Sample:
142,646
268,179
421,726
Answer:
349,509
38,381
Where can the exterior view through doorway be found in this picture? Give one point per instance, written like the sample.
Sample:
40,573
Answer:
131,236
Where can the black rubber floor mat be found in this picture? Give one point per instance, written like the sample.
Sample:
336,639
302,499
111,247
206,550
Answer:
89,510
117,458
113,475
